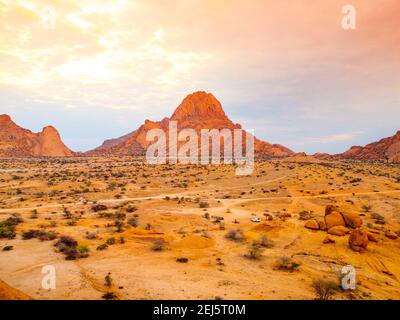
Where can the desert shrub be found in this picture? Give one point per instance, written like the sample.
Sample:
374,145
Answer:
69,247
14,220
34,214
109,296
286,264
235,235
158,245
110,241
217,219
255,251
324,289
102,247
204,205
120,216
71,223
7,227
366,208
131,209
7,231
83,249
108,280
8,248
182,260
266,242
379,219
38,234
65,242
99,207
119,224
133,221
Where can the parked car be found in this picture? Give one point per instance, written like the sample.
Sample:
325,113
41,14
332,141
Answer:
255,220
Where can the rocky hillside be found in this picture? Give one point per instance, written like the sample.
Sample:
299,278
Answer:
387,149
16,141
199,110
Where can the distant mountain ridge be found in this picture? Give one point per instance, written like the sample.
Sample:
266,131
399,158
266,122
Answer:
199,110
386,149
16,141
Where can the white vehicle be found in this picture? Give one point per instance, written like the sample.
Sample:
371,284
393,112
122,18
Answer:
255,220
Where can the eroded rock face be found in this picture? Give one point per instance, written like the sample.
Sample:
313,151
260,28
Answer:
16,141
358,240
199,110
333,217
352,219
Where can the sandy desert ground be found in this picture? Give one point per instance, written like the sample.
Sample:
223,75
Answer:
165,232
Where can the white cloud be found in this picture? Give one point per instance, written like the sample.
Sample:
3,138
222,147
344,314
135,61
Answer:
327,139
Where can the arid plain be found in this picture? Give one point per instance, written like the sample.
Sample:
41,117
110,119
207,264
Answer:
117,228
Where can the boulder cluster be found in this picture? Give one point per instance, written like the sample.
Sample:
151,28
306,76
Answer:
335,222
340,223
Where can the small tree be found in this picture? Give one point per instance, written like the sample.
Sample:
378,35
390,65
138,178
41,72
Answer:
266,242
255,251
366,208
108,280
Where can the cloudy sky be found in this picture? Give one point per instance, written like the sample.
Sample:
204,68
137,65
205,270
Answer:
285,68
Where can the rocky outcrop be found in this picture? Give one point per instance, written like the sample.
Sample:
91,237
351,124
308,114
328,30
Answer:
312,225
338,231
16,141
352,219
358,240
197,111
333,217
387,149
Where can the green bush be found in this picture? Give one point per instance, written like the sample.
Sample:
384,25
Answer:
7,227
83,249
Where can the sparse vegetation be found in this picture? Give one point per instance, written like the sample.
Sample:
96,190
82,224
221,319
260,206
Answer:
69,247
286,264
324,289
39,234
158,222
7,227
158,245
235,235
255,251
